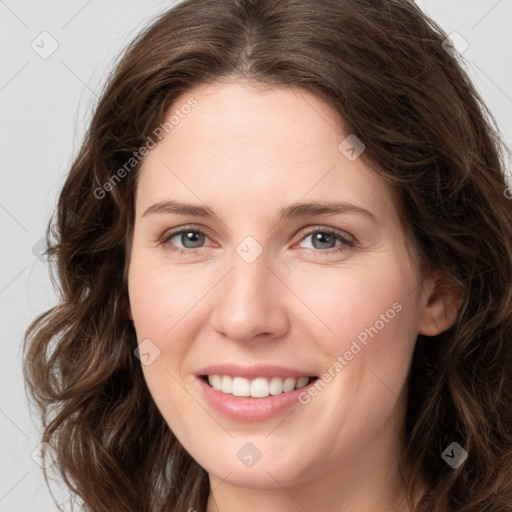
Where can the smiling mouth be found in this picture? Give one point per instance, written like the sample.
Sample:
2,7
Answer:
260,387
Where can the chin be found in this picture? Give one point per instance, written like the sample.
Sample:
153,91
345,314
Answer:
273,471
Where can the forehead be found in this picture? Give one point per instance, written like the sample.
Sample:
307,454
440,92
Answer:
257,148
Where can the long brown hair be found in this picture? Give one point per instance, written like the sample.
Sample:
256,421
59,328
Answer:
384,66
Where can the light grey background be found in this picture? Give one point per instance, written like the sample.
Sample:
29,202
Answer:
45,105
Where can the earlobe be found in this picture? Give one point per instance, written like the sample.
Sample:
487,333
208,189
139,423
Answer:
442,302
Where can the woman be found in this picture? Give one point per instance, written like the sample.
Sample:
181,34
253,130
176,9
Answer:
203,357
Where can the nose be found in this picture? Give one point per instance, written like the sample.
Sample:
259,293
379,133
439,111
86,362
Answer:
250,302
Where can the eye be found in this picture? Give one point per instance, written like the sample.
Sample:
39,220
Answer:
191,239
323,240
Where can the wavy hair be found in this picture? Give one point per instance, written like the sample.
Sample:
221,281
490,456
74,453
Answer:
384,66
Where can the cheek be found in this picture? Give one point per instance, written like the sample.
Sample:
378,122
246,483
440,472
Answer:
162,297
369,313
359,302
162,301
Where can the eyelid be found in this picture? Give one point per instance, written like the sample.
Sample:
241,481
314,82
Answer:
170,233
344,235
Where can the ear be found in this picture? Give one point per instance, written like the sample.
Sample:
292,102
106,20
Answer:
440,304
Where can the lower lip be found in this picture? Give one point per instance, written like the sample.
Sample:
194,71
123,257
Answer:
250,408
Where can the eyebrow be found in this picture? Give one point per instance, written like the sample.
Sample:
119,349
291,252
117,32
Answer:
297,210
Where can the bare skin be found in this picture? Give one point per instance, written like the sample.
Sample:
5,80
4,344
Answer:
247,153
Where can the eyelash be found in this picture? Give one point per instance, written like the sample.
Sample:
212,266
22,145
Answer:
346,242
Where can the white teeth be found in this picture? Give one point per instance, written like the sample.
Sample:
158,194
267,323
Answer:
301,382
289,384
241,386
226,384
214,382
257,388
276,386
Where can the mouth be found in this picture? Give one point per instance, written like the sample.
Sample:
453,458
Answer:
257,392
252,399
259,387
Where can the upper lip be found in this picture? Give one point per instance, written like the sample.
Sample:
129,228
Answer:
254,371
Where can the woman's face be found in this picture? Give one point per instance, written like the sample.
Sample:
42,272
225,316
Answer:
266,296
